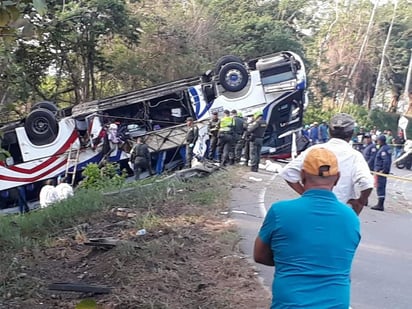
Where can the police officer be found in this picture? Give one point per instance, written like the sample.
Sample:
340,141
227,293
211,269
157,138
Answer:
369,151
191,138
238,129
140,156
383,162
225,137
257,132
214,125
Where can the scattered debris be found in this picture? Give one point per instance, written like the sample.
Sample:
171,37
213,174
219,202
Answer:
242,212
255,179
79,287
108,243
270,166
124,212
141,232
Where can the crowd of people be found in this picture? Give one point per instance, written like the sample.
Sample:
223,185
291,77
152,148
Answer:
235,139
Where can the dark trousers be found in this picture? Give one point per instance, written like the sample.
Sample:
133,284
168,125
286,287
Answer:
237,147
212,147
381,188
141,164
255,149
23,207
225,145
189,156
246,150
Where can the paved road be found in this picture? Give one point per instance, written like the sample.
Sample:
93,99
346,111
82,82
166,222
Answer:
381,276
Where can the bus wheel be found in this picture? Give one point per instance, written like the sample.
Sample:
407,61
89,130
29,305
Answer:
233,77
225,60
46,105
400,165
41,126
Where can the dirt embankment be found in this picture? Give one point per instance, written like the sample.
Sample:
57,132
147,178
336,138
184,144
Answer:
188,258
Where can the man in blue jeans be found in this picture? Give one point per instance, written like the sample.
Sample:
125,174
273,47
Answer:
311,240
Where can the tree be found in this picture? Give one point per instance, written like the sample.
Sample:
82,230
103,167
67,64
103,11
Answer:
249,29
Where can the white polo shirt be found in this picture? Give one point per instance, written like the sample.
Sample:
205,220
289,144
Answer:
48,195
354,171
64,191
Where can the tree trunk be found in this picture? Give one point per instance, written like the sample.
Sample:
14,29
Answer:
378,80
394,103
364,43
408,92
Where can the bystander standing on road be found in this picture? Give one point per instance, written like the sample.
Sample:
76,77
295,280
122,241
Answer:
324,132
399,141
314,133
383,163
311,240
354,169
369,150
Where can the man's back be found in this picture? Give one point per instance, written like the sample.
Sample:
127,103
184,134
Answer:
352,166
48,195
314,239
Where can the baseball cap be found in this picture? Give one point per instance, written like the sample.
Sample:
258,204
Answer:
367,135
321,162
342,121
189,119
382,138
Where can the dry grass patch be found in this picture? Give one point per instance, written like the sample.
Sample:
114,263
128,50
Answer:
189,257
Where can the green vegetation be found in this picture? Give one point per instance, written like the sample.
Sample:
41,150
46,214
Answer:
75,51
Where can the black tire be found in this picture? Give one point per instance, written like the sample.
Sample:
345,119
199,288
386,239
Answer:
400,165
225,60
46,105
408,163
41,126
233,77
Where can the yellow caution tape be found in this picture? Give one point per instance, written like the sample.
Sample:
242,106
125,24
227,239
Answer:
392,176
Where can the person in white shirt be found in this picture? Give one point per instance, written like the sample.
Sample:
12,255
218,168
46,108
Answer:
48,194
355,173
63,189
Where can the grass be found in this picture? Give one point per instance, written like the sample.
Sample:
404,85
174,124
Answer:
187,259
35,228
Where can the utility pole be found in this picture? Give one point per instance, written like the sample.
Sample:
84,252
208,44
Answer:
407,97
408,77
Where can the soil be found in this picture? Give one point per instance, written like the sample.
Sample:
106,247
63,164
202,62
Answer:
189,257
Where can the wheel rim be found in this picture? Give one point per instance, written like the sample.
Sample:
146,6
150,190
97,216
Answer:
40,126
233,78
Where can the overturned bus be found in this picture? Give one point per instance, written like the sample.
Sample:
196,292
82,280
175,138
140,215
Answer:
42,145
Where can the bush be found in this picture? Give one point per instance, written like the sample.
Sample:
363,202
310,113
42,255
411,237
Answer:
100,178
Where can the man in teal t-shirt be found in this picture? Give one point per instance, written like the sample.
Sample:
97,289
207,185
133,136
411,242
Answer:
311,240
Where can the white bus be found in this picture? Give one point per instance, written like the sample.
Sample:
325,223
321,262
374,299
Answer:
39,145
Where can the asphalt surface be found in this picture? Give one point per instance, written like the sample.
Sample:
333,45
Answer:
381,273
